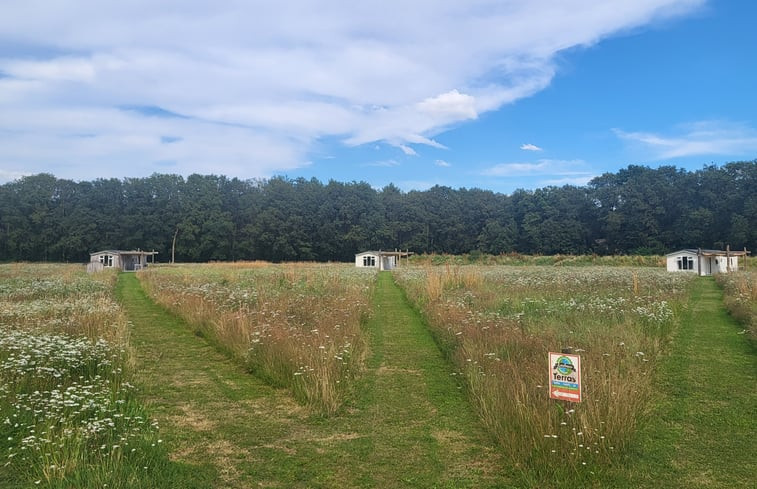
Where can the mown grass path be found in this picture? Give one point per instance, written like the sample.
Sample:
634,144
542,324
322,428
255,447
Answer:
424,431
702,432
408,425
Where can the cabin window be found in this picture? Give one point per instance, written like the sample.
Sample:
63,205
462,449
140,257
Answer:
369,261
685,263
106,260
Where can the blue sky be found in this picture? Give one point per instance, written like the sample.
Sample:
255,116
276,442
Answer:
490,94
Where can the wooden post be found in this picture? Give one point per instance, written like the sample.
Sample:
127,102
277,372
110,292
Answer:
699,261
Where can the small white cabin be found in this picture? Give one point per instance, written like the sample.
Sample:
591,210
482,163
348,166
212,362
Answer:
381,260
127,261
704,262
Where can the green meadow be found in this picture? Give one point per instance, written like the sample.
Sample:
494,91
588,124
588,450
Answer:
323,375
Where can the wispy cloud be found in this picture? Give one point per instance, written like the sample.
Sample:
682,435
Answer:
250,89
577,181
10,175
383,163
408,185
442,163
575,168
530,147
697,139
408,150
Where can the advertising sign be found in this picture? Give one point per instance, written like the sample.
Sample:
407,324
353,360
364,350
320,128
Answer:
565,377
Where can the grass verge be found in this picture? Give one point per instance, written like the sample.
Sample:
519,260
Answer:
701,433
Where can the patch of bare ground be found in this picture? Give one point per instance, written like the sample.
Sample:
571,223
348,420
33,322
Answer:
226,455
387,369
456,442
191,418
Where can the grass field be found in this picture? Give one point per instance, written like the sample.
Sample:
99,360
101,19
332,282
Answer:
407,423
497,324
304,375
296,326
700,430
69,416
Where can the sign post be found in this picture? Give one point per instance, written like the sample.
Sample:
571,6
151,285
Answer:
565,377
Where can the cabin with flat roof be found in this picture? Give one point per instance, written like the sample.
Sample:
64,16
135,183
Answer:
126,261
704,262
381,260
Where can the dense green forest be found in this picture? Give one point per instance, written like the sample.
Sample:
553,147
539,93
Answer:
636,210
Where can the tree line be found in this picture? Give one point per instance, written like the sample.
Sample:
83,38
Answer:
638,210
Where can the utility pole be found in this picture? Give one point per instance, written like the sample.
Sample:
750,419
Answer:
173,244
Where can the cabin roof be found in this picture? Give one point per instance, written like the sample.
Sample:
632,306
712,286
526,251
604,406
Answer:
704,252
401,254
124,252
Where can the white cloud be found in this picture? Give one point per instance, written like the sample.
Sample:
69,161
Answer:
60,69
530,147
442,163
408,150
408,185
453,106
577,181
541,167
384,163
697,139
260,87
10,175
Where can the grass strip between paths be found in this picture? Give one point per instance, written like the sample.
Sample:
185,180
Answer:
702,432
407,425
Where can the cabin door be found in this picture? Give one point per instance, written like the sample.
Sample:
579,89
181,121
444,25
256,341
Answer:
709,265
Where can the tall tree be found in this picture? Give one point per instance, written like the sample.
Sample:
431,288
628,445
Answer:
635,210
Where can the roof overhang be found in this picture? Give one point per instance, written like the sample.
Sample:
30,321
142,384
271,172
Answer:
709,253
122,252
400,254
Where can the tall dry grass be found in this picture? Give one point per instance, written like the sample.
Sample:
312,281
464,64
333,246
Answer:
497,324
57,298
518,259
295,325
740,297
